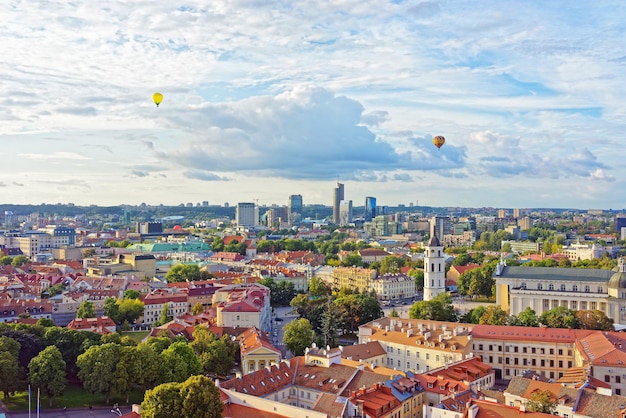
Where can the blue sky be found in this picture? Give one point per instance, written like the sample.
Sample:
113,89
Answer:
267,99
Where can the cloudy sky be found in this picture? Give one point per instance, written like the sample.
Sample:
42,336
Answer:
263,99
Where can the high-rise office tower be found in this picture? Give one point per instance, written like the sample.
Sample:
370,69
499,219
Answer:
294,206
517,213
246,214
370,208
442,225
501,213
345,213
337,198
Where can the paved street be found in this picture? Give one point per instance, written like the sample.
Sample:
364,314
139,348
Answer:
77,413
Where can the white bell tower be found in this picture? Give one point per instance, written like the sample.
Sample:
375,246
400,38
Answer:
434,268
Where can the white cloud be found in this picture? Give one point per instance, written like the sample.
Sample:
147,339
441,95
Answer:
351,90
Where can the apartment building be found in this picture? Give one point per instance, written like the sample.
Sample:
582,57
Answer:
353,278
512,350
393,286
418,345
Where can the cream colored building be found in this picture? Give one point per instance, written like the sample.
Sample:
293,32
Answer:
544,288
393,286
512,350
256,351
353,278
418,345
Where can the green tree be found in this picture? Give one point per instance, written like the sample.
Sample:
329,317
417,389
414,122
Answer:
5,260
216,355
197,309
45,322
112,309
391,264
494,315
418,275
353,259
124,378
329,324
19,260
130,310
218,244
148,368
183,273
131,294
97,368
393,313
440,308
541,401
87,309
10,372
528,317
200,398
595,319
317,287
298,336
196,397
559,317
47,372
180,362
164,401
10,345
165,317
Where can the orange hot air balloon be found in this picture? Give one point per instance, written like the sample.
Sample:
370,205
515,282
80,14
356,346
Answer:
158,98
439,141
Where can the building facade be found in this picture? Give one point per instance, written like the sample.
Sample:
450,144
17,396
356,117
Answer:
434,269
246,214
353,278
338,196
544,288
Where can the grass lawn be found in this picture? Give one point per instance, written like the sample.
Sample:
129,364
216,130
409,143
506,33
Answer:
74,397
135,336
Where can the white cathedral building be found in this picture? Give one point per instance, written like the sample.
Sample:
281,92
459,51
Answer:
434,268
544,288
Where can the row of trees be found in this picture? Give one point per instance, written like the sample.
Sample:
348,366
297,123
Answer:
558,317
47,357
325,315
440,308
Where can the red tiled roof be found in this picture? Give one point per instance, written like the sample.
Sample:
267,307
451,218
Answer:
543,334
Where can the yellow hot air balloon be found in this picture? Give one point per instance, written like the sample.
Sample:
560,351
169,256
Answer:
439,141
158,98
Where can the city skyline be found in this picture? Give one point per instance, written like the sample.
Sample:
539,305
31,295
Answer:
264,101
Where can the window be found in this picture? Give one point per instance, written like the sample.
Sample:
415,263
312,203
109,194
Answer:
480,347
523,285
600,289
562,288
587,289
607,378
575,288
540,286
550,286
618,379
